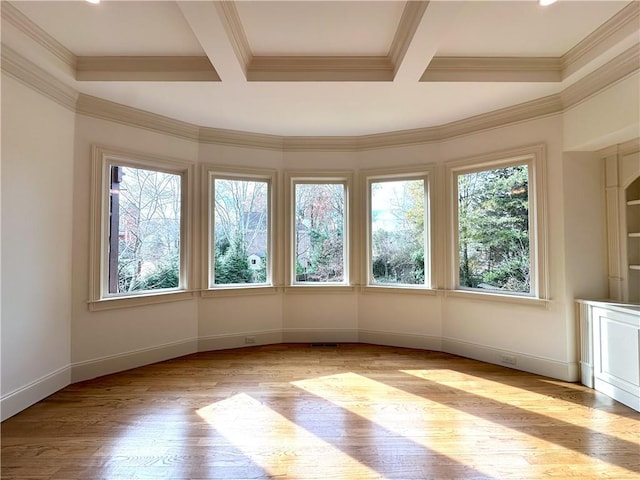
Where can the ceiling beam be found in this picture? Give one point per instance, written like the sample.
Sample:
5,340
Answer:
320,69
210,25
156,68
422,27
407,27
493,69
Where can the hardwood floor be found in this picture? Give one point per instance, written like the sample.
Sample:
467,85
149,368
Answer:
301,412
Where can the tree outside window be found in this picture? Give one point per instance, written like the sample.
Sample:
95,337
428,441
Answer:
397,226
144,233
241,231
319,218
493,229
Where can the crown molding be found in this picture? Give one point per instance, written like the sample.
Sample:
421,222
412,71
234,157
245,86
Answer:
519,113
618,68
321,68
156,68
16,18
493,69
407,27
324,144
621,149
220,136
499,118
133,117
541,107
31,75
622,24
38,79
627,148
235,32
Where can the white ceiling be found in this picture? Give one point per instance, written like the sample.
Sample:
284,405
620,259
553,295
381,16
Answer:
504,28
320,28
249,31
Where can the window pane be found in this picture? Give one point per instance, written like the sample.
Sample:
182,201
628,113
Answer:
144,233
319,232
240,231
398,232
493,229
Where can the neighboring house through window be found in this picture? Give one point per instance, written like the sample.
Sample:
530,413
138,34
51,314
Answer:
240,213
319,247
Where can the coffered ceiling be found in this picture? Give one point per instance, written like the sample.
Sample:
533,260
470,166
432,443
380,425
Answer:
313,68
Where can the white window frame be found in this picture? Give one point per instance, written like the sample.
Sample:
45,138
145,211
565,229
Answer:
344,178
103,159
369,177
209,174
534,157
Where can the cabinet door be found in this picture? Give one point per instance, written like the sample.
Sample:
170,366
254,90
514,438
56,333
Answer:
616,355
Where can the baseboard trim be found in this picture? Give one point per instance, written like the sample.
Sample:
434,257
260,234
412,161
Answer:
405,340
567,371
618,394
238,340
311,335
22,398
117,363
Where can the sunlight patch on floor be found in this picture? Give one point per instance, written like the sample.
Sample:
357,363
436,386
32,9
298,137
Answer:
530,401
417,419
273,442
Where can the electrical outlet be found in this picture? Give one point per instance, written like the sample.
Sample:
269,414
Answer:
249,340
508,359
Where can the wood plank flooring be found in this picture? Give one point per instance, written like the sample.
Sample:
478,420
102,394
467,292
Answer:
302,412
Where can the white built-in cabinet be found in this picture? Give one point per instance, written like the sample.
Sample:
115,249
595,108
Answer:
610,349
622,187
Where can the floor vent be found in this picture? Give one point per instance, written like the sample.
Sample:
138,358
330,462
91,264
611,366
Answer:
324,345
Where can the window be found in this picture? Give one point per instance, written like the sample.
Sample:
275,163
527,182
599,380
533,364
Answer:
319,230
397,231
140,217
240,239
144,230
498,218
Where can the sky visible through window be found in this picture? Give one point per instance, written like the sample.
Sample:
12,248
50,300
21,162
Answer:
398,232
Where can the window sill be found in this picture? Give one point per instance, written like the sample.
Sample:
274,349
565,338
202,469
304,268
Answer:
410,290
112,303
238,291
498,297
320,288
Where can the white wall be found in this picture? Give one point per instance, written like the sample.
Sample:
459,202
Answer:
610,117
37,190
108,341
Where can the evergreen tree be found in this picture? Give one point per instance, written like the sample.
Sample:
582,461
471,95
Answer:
232,266
493,229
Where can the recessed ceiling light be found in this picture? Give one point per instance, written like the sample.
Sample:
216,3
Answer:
543,3
95,2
